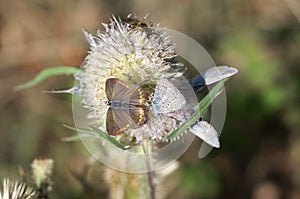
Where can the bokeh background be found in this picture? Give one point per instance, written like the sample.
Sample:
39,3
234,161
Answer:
259,156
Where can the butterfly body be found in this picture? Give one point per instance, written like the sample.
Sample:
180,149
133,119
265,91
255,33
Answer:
116,104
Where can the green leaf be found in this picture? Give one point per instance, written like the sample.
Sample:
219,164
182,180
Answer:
109,138
203,106
77,138
85,133
95,132
49,72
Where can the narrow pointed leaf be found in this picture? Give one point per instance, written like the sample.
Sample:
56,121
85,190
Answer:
49,72
110,139
95,132
77,138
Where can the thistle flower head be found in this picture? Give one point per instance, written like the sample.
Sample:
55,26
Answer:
41,171
16,190
137,54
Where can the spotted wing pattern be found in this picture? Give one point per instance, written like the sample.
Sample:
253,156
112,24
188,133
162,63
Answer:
218,73
206,132
126,109
167,98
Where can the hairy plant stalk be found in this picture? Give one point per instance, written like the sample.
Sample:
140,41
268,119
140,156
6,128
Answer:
150,174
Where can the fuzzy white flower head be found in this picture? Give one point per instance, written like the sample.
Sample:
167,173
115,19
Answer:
16,190
125,62
41,171
131,94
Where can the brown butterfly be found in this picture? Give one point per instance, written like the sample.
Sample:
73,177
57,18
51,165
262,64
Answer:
127,106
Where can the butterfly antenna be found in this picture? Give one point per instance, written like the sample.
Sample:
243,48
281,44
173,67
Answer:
72,90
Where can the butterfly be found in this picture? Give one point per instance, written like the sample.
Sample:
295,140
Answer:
167,98
206,132
127,106
213,75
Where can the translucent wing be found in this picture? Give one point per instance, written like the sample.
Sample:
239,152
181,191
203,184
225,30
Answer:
204,150
167,98
218,73
206,132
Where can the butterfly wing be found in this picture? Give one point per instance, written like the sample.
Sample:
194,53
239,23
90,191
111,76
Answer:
114,124
126,104
139,115
138,97
206,132
167,98
117,90
215,74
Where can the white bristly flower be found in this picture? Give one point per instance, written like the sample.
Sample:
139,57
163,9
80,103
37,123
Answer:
41,171
16,190
133,52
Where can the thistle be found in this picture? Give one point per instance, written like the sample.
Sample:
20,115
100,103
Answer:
134,88
16,190
138,99
41,173
125,63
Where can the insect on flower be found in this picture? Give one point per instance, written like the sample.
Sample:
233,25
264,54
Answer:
167,98
127,106
213,75
135,23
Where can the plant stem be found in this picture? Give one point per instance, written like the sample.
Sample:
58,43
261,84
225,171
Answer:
150,173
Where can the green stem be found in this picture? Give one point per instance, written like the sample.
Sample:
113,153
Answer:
150,173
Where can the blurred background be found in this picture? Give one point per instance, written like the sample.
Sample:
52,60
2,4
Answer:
259,156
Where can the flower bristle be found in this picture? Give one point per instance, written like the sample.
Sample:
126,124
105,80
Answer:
16,190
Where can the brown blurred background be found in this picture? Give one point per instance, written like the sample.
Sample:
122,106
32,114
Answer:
259,156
